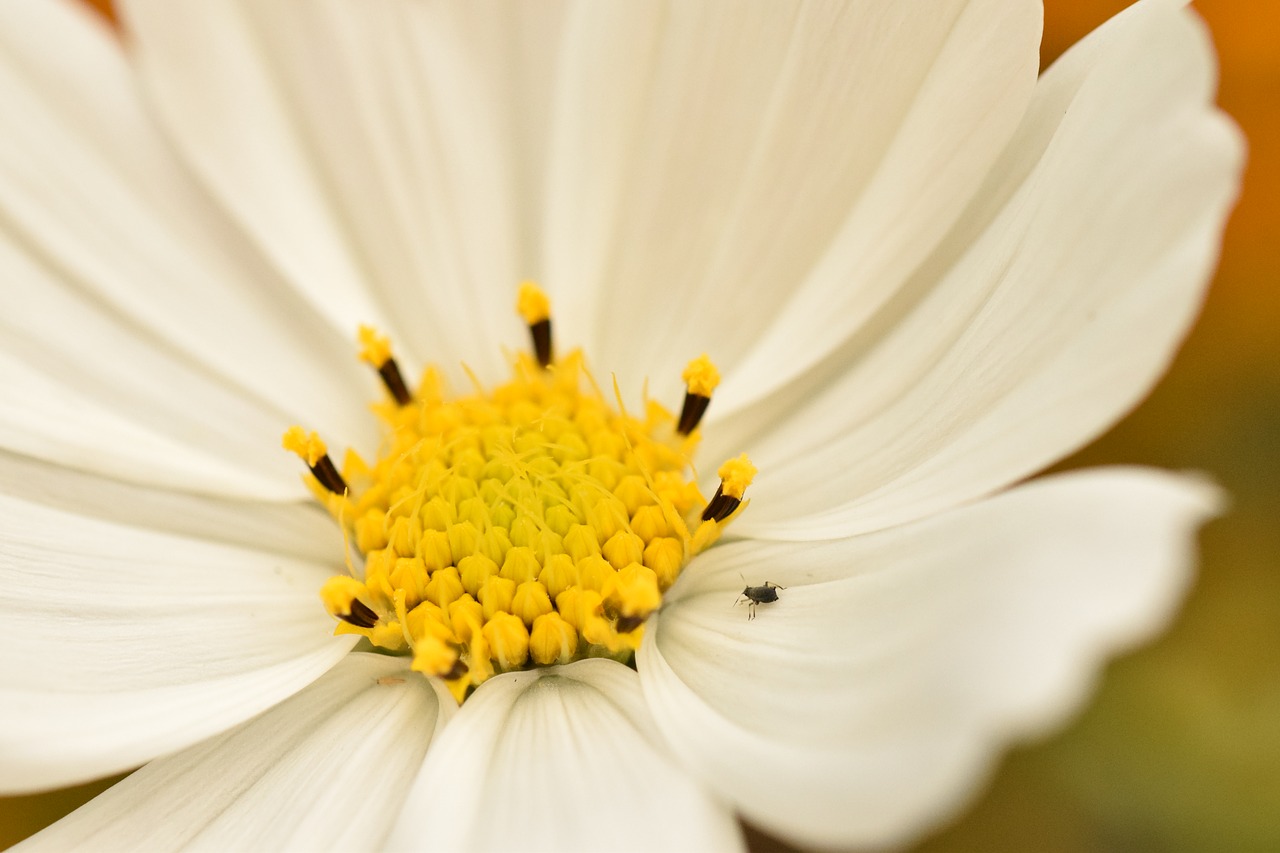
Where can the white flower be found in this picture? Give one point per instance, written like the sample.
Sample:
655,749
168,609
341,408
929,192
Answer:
926,275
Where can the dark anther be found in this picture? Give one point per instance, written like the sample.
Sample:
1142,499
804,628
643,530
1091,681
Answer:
328,475
541,333
721,506
695,406
390,373
361,615
458,670
627,624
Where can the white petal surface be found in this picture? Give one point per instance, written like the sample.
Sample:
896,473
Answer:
864,705
118,268
705,156
326,769
44,418
302,531
675,145
1043,319
373,149
558,759
81,385
122,644
177,47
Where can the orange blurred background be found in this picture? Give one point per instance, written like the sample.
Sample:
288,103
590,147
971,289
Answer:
1180,751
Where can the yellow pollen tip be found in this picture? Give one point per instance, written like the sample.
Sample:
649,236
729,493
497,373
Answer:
434,656
636,592
309,448
341,597
532,303
701,376
375,349
736,475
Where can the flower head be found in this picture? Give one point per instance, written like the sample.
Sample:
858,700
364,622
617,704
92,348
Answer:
922,273
528,524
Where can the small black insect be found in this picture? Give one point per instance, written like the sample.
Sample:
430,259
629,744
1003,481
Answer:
754,595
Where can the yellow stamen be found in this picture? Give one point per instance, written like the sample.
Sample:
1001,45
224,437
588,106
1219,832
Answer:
309,448
341,596
375,349
701,376
312,450
533,304
736,475
635,595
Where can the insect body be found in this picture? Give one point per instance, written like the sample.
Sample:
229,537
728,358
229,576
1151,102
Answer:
767,593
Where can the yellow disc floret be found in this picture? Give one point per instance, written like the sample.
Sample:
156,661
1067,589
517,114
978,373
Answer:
530,525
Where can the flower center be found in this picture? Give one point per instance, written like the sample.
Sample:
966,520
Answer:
532,524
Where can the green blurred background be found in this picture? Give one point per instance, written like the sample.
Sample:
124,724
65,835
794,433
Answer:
1180,750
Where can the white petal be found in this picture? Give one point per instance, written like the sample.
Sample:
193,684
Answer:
302,531
370,148
46,419
327,769
91,197
865,704
266,185
121,644
82,386
1079,270
558,759
706,155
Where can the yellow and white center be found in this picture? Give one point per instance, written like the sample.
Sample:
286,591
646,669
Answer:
532,524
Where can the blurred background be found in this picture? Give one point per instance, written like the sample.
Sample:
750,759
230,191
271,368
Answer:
1180,749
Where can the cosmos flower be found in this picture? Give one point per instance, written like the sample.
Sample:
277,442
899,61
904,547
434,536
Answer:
922,274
